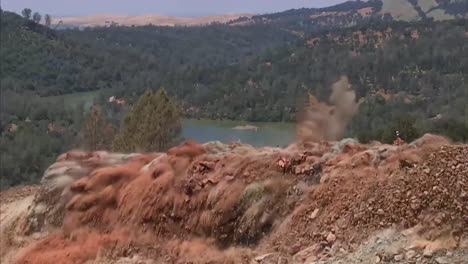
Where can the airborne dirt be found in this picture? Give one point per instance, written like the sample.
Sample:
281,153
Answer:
321,121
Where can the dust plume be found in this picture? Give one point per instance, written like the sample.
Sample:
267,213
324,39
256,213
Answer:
321,121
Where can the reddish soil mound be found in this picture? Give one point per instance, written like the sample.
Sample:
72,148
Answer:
185,196
183,193
356,204
220,199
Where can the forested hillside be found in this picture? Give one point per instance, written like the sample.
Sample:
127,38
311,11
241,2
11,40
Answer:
410,77
398,68
53,62
352,13
47,62
35,61
39,62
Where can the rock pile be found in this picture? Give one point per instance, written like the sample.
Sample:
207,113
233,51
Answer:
431,195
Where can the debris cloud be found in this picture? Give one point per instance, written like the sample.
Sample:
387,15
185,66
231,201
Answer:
321,121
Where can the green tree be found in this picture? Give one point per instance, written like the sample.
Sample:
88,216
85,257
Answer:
26,13
164,124
97,133
48,20
126,140
152,125
37,17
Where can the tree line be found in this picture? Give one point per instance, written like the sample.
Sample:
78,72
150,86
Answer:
36,17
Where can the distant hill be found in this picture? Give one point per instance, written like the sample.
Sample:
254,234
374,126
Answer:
352,13
52,62
346,14
143,20
412,10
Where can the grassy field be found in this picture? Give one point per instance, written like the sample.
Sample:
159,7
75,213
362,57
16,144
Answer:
439,15
427,4
74,99
400,10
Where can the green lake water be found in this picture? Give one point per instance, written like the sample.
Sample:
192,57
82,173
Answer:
268,134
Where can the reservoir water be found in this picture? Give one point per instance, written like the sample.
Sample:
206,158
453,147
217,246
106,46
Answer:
267,134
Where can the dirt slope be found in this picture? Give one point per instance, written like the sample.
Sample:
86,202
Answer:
323,202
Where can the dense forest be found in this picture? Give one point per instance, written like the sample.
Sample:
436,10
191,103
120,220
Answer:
52,62
411,77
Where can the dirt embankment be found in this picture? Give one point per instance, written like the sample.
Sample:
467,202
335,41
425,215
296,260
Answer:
308,202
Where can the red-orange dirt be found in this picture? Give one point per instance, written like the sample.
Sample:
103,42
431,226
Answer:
219,203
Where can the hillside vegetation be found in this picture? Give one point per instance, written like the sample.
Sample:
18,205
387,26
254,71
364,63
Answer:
353,13
410,77
51,62
398,68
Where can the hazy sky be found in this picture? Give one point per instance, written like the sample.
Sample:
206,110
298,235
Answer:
165,7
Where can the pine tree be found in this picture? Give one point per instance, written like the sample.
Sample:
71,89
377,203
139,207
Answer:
168,123
37,17
126,140
97,133
153,125
26,13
